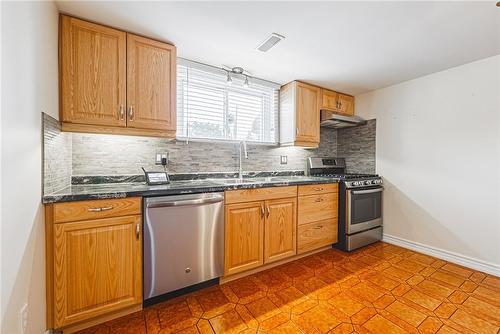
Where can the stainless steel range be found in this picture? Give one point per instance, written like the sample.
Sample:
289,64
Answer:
360,202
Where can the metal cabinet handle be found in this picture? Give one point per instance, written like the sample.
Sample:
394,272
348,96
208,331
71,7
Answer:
319,189
296,131
105,208
122,113
320,199
319,227
137,231
268,210
131,113
262,210
369,191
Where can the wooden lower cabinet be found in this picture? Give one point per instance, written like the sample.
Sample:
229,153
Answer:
317,234
94,266
244,237
280,240
97,268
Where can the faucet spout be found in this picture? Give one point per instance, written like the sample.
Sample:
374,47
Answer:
242,150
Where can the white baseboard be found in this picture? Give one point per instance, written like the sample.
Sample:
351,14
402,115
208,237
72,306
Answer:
459,259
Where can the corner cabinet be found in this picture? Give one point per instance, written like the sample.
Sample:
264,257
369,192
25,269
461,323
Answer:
300,114
115,82
94,261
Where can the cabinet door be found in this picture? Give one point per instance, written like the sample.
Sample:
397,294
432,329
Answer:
97,267
93,70
280,229
346,104
307,113
151,77
244,237
329,99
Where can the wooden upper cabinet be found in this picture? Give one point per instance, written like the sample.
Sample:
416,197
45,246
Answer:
337,102
93,69
151,84
299,114
97,268
115,82
346,104
329,99
244,237
307,114
280,229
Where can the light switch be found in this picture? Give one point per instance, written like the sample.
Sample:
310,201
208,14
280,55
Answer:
284,160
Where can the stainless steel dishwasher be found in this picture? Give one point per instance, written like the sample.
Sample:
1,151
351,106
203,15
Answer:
183,242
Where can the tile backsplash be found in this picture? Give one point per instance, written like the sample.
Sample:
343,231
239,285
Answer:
78,154
111,155
357,146
57,154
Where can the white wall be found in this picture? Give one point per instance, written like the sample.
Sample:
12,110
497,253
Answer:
438,150
29,86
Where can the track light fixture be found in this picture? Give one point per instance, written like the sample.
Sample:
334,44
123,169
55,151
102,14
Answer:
238,71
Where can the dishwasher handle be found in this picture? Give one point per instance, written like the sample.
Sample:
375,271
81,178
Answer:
197,201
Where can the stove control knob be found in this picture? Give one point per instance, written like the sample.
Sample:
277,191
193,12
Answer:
368,182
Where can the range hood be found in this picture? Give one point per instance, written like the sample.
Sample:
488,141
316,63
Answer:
332,120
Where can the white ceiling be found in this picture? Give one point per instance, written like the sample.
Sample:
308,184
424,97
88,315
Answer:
352,47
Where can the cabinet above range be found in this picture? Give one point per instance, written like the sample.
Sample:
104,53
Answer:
303,106
115,82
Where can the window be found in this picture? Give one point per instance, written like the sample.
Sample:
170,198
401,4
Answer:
209,108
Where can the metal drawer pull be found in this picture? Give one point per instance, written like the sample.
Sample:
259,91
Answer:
319,227
319,199
137,231
319,189
105,208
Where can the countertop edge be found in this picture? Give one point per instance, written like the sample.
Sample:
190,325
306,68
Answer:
59,198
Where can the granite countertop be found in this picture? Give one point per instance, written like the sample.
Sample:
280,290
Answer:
78,192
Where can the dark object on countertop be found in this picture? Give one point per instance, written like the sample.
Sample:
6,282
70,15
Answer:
155,178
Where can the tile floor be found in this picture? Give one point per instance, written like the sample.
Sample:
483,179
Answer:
378,289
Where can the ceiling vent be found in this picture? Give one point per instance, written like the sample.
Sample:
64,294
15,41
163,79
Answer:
271,41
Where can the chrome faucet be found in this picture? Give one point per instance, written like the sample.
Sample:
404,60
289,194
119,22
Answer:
243,149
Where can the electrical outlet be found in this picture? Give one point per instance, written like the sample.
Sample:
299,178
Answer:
160,156
23,318
284,160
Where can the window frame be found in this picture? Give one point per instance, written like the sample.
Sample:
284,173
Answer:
235,88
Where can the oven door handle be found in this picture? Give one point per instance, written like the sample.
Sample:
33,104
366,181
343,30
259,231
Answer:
368,191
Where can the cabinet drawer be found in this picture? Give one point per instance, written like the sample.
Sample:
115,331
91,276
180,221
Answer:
104,208
316,235
313,189
317,207
259,194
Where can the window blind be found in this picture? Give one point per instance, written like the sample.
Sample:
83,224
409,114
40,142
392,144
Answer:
209,108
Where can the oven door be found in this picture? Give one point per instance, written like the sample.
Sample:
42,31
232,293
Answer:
364,209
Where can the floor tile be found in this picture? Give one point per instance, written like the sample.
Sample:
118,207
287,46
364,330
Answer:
379,324
378,289
228,323
474,323
422,299
406,313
